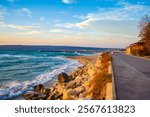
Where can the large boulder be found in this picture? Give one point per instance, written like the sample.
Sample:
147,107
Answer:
39,88
72,92
75,83
63,78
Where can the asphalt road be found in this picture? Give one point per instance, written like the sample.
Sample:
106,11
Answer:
131,77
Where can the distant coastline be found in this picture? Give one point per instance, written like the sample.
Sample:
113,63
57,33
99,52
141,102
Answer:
55,48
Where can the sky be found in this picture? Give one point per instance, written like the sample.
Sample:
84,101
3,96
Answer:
89,23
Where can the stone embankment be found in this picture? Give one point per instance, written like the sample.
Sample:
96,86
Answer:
91,81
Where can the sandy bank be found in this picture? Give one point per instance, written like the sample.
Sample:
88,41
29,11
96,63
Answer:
85,59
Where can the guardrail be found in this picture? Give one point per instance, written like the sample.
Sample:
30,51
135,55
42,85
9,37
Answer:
113,81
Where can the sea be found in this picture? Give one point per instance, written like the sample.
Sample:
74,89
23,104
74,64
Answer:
23,67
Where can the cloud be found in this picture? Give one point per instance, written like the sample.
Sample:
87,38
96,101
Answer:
86,23
80,25
56,30
66,25
125,12
30,32
18,27
25,11
21,27
68,1
118,22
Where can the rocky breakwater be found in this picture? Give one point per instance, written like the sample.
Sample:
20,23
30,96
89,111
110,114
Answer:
87,82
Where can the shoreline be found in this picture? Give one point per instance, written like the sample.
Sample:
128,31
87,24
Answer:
88,81
83,60
51,82
54,80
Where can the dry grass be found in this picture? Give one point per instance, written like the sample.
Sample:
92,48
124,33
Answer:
100,79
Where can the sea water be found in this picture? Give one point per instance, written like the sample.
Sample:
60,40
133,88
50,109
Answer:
21,70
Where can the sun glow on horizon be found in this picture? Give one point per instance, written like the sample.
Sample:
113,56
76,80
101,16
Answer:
95,24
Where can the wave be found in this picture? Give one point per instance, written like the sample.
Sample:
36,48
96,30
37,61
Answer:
16,56
13,89
24,57
83,54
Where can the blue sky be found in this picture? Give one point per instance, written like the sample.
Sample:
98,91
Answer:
96,23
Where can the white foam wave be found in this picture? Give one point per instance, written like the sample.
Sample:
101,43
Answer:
17,56
15,88
29,56
82,54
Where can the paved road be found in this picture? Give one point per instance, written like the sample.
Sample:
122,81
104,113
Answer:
131,77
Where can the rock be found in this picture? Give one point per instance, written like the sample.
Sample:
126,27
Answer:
55,96
87,99
47,91
32,96
56,92
73,75
52,88
39,88
65,95
84,79
98,63
87,85
63,78
88,96
75,83
71,84
78,80
81,70
51,96
81,96
72,92
91,70
60,88
26,96
80,89
43,96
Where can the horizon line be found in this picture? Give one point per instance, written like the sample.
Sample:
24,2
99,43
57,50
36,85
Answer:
57,45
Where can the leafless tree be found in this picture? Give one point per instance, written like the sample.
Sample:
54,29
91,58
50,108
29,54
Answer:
144,34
